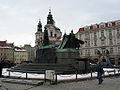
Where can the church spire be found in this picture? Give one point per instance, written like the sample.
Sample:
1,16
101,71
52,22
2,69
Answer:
50,18
39,28
49,11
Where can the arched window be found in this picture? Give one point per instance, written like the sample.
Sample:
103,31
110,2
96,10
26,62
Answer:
51,34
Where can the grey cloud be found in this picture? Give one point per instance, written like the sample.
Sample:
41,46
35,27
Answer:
18,17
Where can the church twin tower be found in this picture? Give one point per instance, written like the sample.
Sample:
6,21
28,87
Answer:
54,33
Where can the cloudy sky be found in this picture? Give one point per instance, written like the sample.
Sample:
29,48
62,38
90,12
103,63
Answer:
19,18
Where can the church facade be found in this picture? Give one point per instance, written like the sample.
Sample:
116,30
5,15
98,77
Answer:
54,33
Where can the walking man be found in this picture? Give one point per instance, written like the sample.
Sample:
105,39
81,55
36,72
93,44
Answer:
100,73
1,67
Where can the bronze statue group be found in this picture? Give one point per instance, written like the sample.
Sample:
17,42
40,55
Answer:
72,42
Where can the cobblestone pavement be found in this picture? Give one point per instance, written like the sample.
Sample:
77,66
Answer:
111,83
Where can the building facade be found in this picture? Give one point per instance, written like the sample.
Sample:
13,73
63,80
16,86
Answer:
31,52
101,41
20,55
6,51
54,32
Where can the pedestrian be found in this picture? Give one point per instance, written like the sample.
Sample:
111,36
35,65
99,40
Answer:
1,67
100,73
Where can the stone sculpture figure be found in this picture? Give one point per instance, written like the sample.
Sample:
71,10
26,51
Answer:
46,38
71,41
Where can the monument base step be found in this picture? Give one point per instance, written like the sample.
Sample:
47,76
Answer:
23,81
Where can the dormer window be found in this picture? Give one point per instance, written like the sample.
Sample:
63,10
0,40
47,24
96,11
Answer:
102,25
109,24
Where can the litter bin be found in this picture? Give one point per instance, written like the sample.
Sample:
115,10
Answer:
50,76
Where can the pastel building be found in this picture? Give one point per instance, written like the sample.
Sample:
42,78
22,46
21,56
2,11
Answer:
6,51
103,37
20,55
31,52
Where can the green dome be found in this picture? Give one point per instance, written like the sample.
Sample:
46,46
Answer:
56,28
48,25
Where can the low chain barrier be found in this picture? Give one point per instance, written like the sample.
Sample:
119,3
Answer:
17,73
76,76
66,75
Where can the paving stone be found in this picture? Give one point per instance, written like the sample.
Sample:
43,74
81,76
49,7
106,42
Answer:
110,83
23,81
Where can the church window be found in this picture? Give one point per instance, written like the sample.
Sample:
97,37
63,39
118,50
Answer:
55,35
51,34
37,37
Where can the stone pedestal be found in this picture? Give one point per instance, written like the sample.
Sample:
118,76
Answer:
46,55
67,56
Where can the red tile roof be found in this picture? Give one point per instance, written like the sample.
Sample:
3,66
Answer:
113,23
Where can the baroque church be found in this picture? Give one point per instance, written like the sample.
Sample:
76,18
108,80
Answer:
54,33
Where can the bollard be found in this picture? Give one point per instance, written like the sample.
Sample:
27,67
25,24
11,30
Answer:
45,77
91,73
76,76
114,72
118,72
26,76
9,73
56,78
